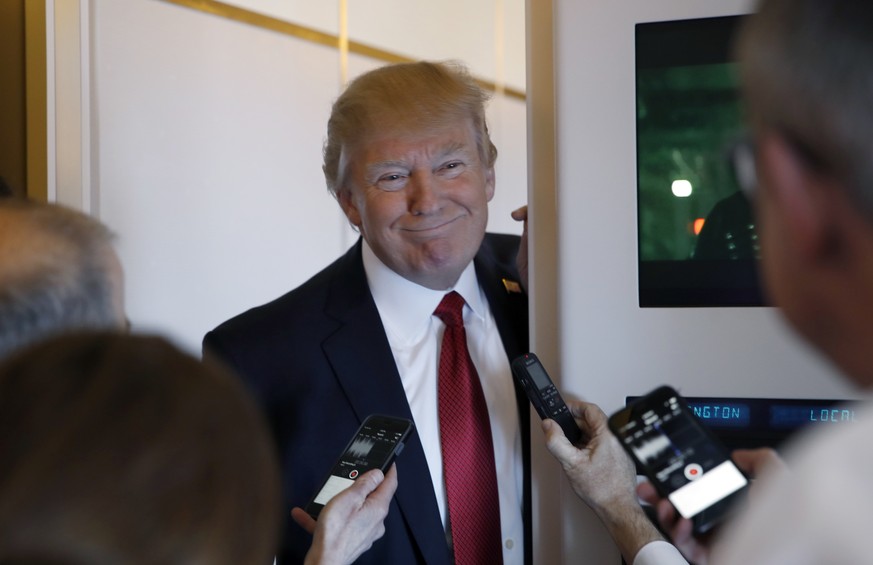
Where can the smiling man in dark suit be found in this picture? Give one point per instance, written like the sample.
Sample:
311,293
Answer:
409,159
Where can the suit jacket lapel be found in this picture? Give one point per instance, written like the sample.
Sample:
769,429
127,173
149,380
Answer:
365,368
510,313
508,308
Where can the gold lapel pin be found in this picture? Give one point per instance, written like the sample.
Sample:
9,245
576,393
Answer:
511,286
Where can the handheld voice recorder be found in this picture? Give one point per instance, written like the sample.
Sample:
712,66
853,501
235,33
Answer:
532,376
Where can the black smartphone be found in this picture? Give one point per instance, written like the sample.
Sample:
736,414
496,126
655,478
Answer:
544,395
374,446
685,462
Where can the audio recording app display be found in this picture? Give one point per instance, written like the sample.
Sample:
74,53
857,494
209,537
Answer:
682,457
371,447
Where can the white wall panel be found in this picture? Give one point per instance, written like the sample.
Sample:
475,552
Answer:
322,15
507,124
209,152
208,161
487,34
468,30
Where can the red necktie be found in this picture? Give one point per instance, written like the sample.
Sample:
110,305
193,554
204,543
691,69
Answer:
468,454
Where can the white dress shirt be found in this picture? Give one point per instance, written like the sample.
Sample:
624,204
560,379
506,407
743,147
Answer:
415,335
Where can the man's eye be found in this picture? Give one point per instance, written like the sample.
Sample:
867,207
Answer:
452,168
391,182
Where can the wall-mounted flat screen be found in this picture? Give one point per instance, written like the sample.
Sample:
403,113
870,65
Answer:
697,241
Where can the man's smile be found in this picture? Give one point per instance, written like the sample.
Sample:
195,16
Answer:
430,226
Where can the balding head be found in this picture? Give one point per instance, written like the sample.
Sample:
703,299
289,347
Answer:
58,272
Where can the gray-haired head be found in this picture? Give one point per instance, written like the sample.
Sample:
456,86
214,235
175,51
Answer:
58,273
807,72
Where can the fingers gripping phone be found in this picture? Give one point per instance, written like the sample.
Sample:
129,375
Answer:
685,462
543,394
374,446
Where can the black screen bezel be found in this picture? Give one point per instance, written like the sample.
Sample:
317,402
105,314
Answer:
690,283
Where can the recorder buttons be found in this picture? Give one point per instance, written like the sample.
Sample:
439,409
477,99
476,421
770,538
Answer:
353,474
693,471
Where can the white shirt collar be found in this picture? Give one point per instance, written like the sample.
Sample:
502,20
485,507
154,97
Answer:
406,307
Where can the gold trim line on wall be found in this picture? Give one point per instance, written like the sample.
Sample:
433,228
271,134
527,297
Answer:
313,35
37,100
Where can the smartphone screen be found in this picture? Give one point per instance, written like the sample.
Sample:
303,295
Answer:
374,446
684,461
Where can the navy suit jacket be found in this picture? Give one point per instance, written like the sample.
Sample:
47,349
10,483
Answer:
319,363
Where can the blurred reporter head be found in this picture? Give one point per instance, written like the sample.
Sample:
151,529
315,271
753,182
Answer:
122,449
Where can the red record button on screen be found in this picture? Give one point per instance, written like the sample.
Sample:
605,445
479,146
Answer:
693,471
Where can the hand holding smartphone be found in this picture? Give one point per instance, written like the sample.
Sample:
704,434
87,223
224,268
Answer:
542,393
684,461
374,446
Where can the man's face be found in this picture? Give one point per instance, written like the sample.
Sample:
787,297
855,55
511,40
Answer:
775,253
420,199
791,272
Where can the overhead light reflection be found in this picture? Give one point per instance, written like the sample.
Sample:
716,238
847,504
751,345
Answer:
681,188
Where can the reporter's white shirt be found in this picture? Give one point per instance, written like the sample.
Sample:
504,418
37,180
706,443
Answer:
819,511
659,553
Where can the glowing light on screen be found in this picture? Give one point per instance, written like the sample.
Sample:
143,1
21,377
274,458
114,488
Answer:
681,188
698,225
